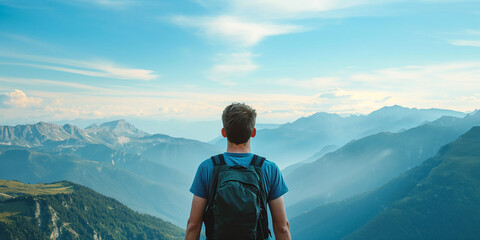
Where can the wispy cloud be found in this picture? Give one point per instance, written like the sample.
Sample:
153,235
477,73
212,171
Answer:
87,68
25,39
426,86
35,82
18,99
421,86
449,76
291,7
470,39
449,85
473,32
231,66
466,43
281,9
171,104
109,3
335,94
276,9
324,82
234,29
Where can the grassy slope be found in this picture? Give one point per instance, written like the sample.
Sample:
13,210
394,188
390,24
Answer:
80,213
161,199
13,189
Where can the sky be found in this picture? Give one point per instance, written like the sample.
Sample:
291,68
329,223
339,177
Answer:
188,59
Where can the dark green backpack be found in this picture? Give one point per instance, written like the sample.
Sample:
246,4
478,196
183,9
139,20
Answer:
237,204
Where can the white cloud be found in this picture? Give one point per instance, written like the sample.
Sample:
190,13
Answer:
25,39
460,76
317,83
281,9
162,104
109,3
18,99
335,94
87,68
449,85
473,32
231,66
289,7
420,86
35,82
423,86
234,29
466,43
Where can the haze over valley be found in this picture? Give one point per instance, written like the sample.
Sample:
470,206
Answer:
343,159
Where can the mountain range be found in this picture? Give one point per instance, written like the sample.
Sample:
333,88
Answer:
436,200
298,141
369,162
204,131
149,173
334,157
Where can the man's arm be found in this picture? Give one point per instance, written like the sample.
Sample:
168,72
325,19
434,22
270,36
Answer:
281,227
194,224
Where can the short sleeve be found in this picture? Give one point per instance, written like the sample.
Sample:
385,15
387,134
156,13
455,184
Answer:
277,185
199,186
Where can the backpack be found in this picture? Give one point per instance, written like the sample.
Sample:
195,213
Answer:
237,205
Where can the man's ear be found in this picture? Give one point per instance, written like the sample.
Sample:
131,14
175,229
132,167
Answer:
223,133
254,132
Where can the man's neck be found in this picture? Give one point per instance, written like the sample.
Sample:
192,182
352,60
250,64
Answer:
238,148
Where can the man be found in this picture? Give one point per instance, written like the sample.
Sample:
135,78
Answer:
238,127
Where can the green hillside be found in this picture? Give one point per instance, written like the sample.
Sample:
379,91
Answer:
64,210
444,205
436,200
161,196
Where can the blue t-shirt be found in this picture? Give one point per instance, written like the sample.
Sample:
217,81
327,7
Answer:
275,187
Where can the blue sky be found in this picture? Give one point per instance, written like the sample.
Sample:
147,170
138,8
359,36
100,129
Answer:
187,59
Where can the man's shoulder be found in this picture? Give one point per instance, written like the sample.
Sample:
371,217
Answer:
206,164
268,162
269,166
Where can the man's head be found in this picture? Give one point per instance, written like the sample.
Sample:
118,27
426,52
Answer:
238,122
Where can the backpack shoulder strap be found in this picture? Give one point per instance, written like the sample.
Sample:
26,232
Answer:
218,160
257,161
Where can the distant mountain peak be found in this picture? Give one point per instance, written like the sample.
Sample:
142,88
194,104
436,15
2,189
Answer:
316,118
92,126
476,112
391,109
116,123
395,107
324,114
46,124
123,127
399,110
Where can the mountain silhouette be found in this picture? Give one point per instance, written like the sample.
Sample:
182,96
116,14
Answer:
435,200
295,142
369,162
